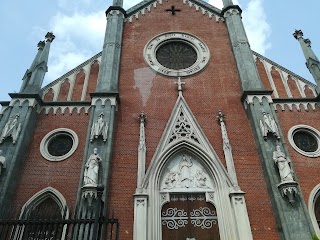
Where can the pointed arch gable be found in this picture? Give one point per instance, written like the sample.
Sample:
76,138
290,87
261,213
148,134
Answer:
41,196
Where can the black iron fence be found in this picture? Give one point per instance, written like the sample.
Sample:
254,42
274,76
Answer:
67,229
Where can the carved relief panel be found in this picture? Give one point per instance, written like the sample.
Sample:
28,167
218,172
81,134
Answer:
185,173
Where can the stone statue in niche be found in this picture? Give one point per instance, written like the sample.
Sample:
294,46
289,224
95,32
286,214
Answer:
100,127
2,162
91,171
268,125
12,128
282,161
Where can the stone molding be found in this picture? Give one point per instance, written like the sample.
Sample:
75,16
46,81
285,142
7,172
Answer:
104,100
64,110
298,105
250,99
132,13
314,194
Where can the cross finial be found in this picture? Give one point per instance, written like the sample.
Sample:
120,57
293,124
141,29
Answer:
179,83
220,117
173,10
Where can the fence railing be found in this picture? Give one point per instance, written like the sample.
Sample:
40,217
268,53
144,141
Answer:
62,229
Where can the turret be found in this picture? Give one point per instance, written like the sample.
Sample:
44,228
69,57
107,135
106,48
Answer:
34,76
312,62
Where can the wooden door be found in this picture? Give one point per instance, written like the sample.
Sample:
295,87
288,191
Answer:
189,217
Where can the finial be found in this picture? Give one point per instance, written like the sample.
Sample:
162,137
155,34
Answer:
142,117
298,34
220,116
49,37
41,45
307,42
179,83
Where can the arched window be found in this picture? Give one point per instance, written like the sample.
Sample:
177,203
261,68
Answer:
43,212
314,208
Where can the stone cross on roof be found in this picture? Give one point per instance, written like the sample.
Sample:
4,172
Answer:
179,83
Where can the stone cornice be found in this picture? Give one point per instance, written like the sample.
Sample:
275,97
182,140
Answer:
140,7
224,10
246,94
116,8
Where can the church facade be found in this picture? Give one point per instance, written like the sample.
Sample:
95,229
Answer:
191,134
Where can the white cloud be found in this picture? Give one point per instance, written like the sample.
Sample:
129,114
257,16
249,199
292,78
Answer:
255,22
256,25
78,37
130,3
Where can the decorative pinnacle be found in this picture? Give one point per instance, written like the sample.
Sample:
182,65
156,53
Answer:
49,37
307,42
142,117
41,45
220,117
298,34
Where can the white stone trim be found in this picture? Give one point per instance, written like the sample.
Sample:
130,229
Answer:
197,44
219,182
104,100
64,109
251,98
311,131
298,105
36,199
314,194
32,102
44,144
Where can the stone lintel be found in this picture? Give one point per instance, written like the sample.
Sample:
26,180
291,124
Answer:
116,8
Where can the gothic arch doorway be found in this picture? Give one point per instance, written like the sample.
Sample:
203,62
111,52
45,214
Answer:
189,216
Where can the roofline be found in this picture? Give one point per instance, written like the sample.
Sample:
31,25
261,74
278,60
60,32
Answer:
71,72
143,4
284,69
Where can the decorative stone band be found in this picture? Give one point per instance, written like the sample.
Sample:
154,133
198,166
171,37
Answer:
231,10
104,100
191,4
249,99
32,102
298,105
64,110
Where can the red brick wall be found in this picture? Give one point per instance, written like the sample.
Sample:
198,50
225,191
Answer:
78,86
306,168
94,71
64,90
49,96
278,83
293,88
38,173
215,88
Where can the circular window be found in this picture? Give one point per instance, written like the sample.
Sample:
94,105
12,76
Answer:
59,144
305,140
176,54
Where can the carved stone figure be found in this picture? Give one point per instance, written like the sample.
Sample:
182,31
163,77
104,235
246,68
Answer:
282,162
100,127
12,128
268,125
2,162
201,179
91,171
171,180
185,176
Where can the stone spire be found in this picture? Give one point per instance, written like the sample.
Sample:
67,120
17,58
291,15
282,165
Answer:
312,63
108,77
227,3
34,76
117,3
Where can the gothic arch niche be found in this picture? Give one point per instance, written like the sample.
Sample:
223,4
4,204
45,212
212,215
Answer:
192,176
48,204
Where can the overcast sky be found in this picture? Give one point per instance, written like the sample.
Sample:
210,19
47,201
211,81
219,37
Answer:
79,27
